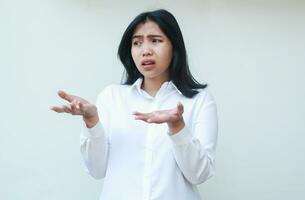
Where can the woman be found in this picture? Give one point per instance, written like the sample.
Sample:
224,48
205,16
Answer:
153,137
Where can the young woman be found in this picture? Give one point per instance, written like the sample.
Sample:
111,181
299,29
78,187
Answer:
153,137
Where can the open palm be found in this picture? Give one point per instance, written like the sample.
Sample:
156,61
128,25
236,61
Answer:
77,106
161,116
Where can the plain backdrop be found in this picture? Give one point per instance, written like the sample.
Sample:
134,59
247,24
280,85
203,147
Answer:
250,52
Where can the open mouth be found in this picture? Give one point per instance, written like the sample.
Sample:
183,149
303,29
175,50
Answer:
148,63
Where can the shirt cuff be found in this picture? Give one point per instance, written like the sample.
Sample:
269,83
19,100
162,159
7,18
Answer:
94,132
180,138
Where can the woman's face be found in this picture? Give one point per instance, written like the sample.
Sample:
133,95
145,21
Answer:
151,51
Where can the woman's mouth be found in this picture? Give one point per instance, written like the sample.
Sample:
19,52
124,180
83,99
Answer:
148,64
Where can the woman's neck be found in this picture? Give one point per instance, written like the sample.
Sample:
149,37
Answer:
152,86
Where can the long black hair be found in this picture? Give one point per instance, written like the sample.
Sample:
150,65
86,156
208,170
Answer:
179,72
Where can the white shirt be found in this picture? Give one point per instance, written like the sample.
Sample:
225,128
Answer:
142,161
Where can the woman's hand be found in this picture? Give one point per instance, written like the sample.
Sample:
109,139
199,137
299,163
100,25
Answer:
78,106
172,117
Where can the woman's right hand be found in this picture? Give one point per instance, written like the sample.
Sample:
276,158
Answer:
78,106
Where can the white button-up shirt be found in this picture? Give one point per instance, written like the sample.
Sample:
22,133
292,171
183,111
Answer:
142,161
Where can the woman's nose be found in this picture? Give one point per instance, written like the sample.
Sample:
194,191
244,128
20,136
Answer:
146,49
147,52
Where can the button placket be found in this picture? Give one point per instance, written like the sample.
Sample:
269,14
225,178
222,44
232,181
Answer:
149,154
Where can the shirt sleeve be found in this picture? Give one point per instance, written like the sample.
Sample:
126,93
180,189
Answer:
195,152
94,142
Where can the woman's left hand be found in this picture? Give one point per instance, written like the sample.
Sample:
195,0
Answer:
173,118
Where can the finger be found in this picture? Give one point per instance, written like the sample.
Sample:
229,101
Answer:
137,113
74,104
180,108
141,117
145,118
65,96
81,106
73,107
74,110
57,109
150,120
77,104
67,109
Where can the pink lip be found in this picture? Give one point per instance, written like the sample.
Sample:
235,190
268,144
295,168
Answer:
147,60
148,67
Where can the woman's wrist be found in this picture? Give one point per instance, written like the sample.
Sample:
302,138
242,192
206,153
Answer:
91,122
175,127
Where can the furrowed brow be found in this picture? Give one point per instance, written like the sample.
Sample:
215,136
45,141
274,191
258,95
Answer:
136,36
154,36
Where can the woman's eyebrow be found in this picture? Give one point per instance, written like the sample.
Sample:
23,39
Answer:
154,36
149,36
136,36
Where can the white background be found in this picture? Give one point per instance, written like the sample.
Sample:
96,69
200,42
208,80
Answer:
251,53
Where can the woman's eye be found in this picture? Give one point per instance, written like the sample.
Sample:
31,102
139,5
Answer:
156,41
136,43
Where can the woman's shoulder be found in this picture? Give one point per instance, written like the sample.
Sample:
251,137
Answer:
205,94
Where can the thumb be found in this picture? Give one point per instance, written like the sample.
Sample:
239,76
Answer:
180,107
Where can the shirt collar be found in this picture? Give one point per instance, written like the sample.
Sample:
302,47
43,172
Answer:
168,85
137,85
171,84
